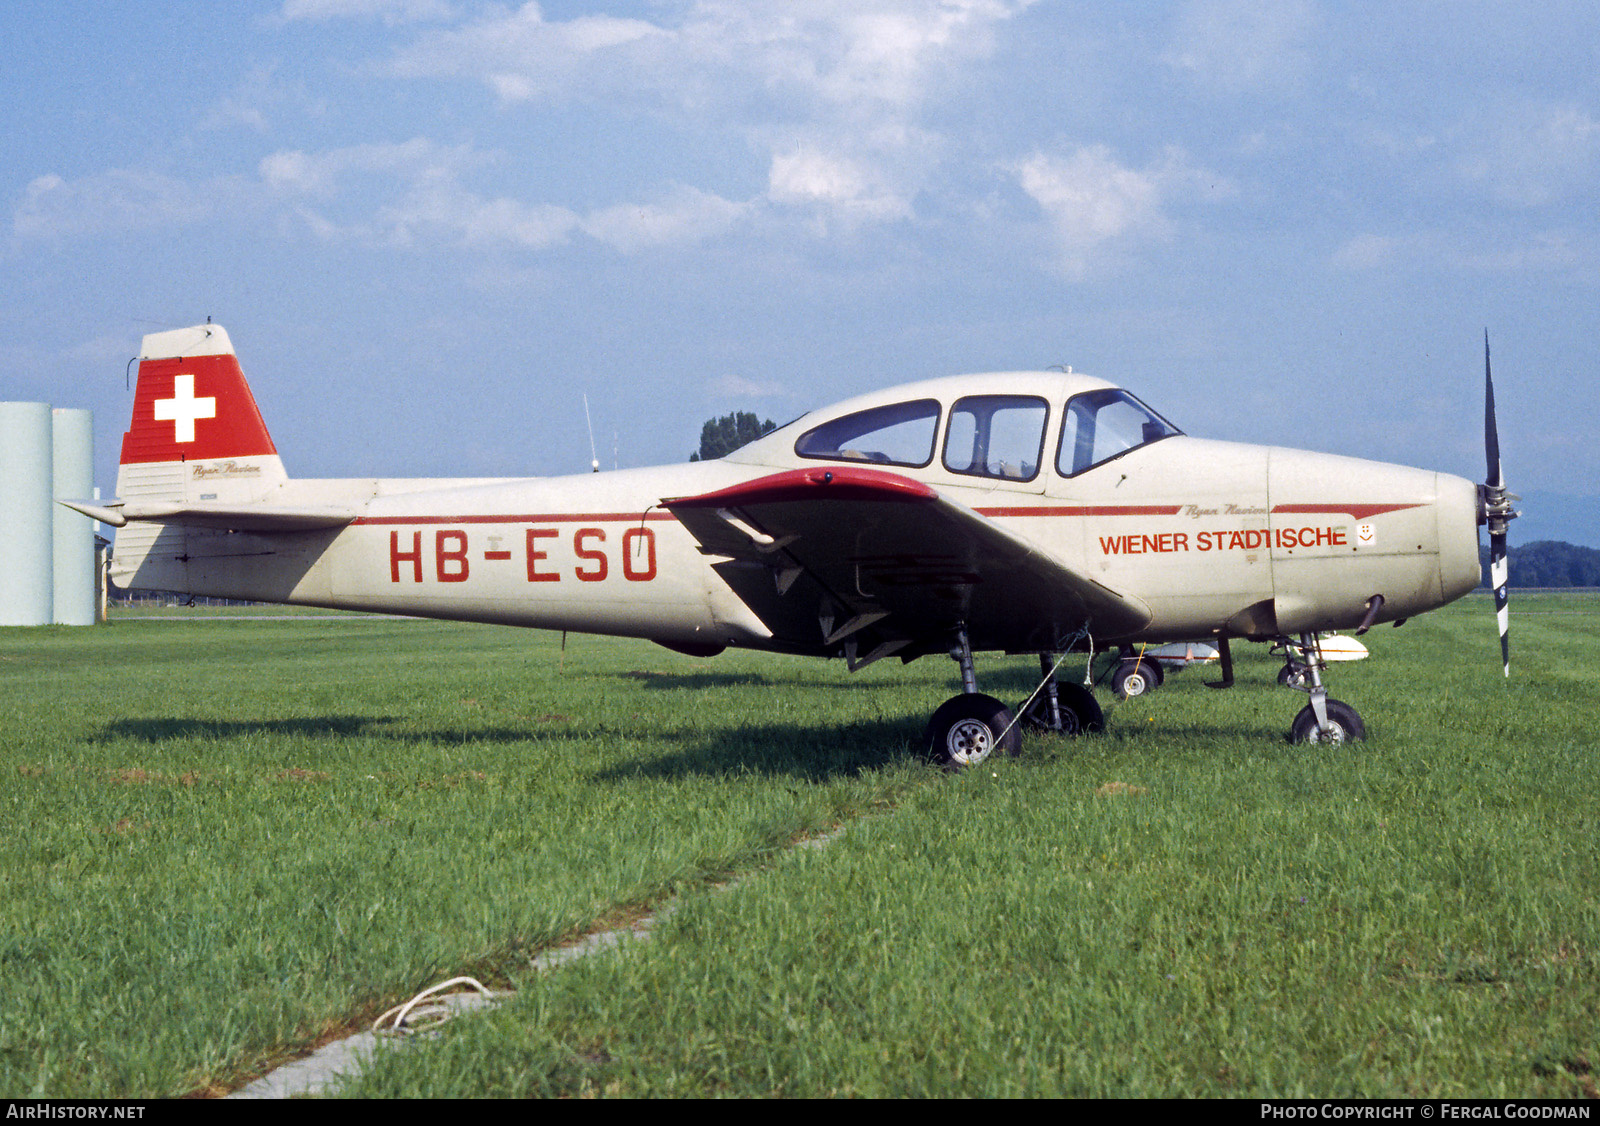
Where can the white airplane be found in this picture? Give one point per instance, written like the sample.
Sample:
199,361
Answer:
1143,669
1024,512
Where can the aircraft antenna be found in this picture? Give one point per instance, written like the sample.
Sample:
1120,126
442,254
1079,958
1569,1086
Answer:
594,459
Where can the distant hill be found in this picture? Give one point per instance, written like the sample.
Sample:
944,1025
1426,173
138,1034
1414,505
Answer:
1548,563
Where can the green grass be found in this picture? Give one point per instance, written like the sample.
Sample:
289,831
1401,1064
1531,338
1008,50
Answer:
231,838
237,837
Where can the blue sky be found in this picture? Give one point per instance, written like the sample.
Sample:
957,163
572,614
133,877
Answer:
433,226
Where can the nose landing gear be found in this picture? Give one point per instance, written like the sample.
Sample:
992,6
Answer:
1324,719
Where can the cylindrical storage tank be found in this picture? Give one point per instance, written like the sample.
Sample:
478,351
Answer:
72,439
25,548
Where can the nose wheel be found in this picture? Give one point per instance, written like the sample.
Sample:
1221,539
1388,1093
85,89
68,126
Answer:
1343,724
1324,719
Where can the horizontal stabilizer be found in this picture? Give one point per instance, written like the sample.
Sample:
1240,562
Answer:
232,518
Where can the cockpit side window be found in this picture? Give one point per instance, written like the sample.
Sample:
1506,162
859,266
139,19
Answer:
900,434
1101,425
996,436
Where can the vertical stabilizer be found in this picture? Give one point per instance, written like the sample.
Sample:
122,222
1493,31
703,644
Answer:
196,432
196,438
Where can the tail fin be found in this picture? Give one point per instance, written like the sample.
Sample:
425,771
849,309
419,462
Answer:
196,432
196,440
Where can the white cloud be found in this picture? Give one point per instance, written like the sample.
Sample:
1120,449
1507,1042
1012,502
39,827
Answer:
428,202
257,95
390,11
844,52
847,53
1366,252
830,90
804,176
443,211
321,174
1238,45
1532,155
111,202
807,176
738,387
523,56
689,215
296,172
1097,206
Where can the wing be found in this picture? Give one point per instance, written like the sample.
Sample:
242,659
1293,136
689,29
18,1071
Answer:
879,564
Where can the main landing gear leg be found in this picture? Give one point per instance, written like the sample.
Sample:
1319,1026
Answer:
1063,709
970,727
1049,693
1324,719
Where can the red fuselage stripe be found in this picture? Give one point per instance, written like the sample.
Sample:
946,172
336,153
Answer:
1355,511
1086,510
522,518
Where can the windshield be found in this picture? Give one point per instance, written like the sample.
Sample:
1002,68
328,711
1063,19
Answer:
1101,425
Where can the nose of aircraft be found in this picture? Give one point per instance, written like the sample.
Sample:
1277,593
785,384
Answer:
1457,509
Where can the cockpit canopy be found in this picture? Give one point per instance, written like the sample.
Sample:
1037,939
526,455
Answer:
1001,436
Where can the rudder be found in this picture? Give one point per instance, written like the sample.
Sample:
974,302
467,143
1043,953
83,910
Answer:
196,438
196,432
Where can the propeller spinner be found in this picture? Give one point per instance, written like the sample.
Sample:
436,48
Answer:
1495,501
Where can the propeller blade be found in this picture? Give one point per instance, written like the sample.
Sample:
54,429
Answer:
1499,573
1491,432
1497,514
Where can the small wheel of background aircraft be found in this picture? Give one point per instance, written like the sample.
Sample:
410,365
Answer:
1020,512
1330,648
1135,677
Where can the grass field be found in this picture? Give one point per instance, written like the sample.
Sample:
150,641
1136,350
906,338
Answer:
231,839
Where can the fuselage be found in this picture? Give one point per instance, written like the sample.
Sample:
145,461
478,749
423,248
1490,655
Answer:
1213,538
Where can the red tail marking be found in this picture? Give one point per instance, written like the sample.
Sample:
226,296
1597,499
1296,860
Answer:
172,421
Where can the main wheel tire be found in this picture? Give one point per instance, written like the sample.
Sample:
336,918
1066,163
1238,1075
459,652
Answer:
1080,712
968,729
1343,720
1135,678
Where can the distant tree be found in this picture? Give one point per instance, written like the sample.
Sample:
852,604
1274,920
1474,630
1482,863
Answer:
1548,563
720,436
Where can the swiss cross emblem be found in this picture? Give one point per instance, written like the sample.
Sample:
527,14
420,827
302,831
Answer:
183,408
